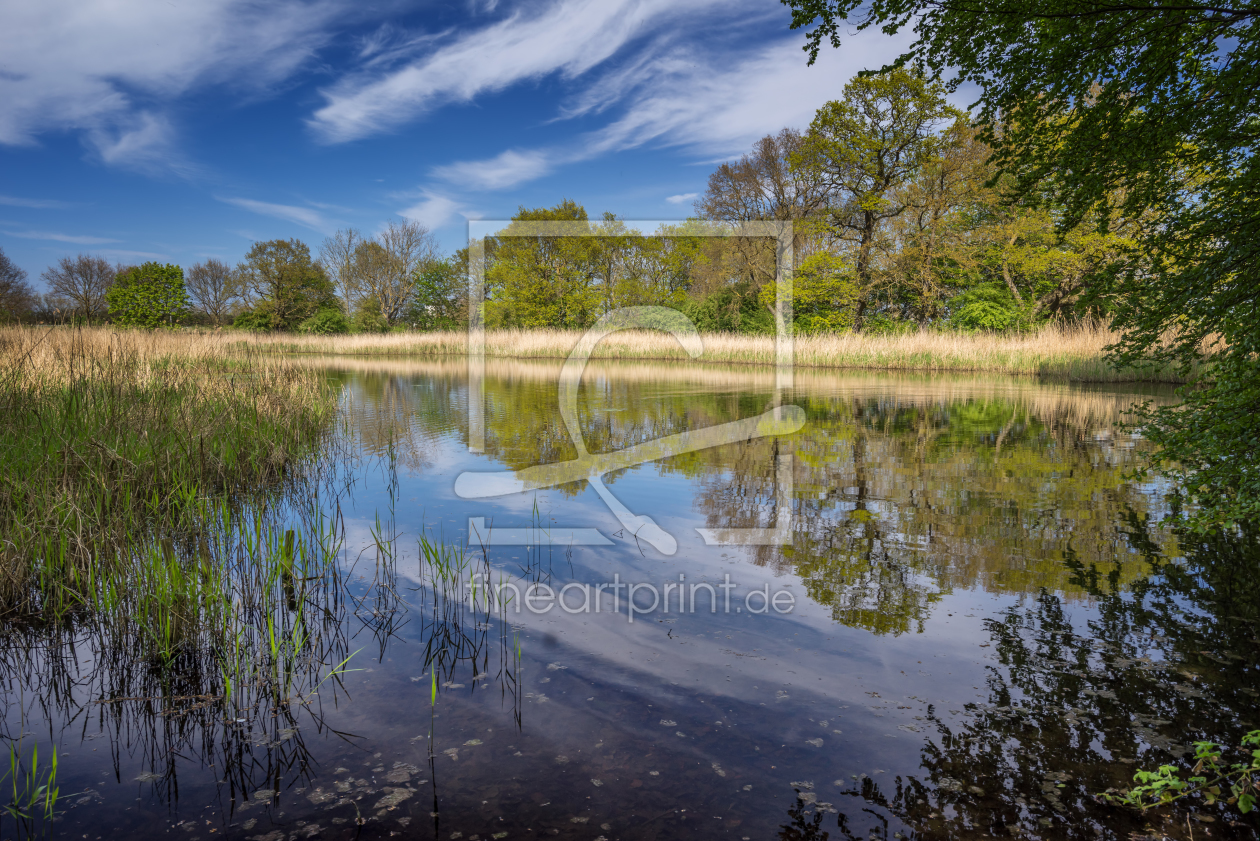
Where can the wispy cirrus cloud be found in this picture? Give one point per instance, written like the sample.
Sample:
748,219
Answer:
122,254
433,210
57,236
682,198
507,169
567,37
290,213
706,103
108,68
35,204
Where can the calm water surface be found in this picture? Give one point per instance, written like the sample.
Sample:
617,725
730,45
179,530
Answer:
987,626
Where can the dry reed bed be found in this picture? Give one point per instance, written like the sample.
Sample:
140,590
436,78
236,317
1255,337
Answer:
1074,352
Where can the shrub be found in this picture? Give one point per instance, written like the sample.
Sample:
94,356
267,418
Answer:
252,320
151,295
326,322
985,307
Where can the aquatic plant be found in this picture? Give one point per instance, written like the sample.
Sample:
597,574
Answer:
33,790
1211,779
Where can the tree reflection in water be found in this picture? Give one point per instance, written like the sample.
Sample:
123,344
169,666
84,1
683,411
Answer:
1074,709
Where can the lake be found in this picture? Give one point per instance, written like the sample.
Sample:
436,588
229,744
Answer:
912,606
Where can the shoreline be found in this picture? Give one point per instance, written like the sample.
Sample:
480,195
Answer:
1072,354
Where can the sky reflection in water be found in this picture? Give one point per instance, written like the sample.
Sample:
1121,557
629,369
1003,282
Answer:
989,627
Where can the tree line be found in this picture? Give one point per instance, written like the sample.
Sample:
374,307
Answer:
355,283
901,219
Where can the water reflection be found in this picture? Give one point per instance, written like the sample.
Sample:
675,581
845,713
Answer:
1073,708
994,626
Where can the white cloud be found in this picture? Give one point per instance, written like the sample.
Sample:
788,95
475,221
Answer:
146,144
56,236
718,107
507,169
568,37
123,254
302,215
37,204
105,66
681,198
433,210
706,103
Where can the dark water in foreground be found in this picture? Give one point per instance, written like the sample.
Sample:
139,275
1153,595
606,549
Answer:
987,626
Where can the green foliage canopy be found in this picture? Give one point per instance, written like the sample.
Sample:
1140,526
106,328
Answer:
284,285
150,295
1122,113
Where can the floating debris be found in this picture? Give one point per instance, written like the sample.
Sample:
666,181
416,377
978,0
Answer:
669,722
815,742
597,783
394,796
473,742
718,768
453,753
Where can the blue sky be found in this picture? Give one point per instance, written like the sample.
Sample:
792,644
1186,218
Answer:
178,130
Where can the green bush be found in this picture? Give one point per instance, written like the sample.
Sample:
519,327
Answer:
326,322
151,295
368,318
252,320
988,306
730,310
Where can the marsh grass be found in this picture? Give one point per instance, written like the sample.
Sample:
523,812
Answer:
108,438
147,514
1064,351
30,788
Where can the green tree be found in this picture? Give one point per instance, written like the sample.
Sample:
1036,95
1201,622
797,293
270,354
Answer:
1129,112
824,295
284,286
438,300
150,295
537,279
866,148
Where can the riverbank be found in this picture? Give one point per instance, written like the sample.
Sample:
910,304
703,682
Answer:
112,442
1075,353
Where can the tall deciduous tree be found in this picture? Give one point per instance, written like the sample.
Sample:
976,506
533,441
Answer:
17,299
441,287
282,284
81,282
150,295
865,148
1130,112
336,255
383,269
214,287
537,279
